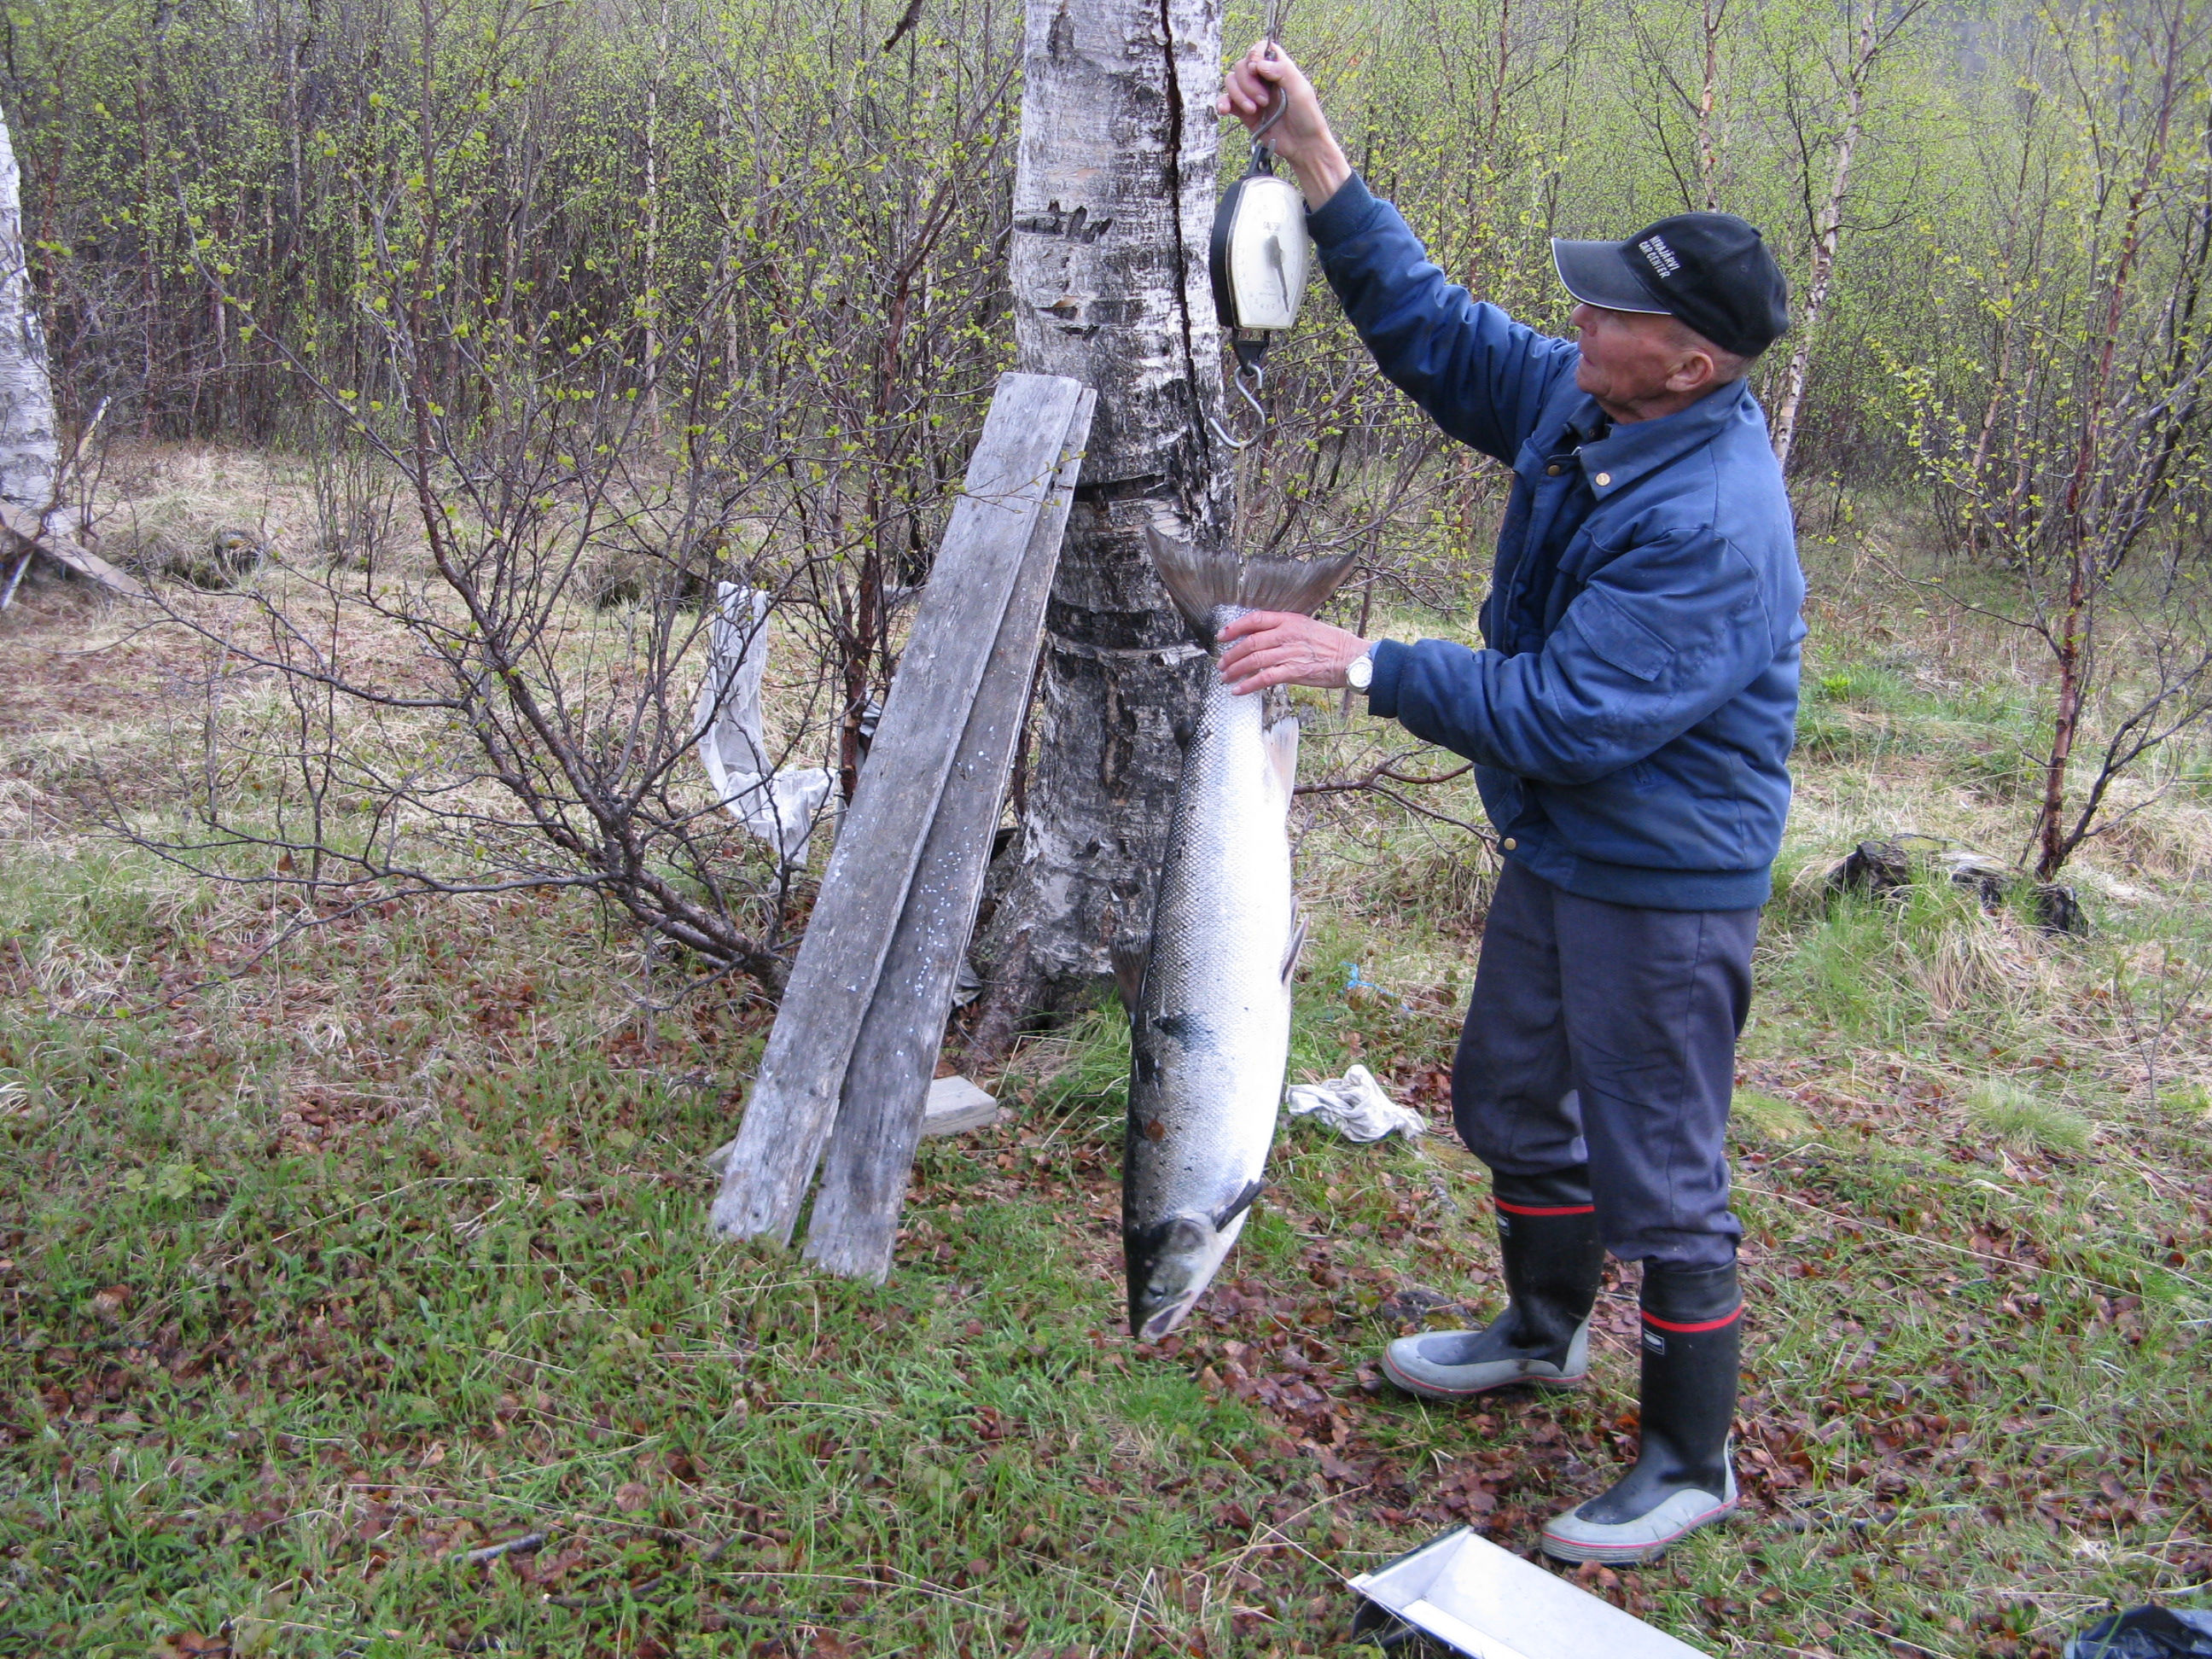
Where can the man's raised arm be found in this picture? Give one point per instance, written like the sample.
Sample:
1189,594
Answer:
1479,374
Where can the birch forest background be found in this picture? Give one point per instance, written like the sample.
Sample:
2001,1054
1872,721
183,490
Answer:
777,230
758,252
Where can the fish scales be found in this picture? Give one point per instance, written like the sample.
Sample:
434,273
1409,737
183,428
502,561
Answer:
1210,1008
1213,1025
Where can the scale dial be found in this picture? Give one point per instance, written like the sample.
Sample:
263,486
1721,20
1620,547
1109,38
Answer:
1264,261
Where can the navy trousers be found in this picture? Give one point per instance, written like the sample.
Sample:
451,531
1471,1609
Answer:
1604,1036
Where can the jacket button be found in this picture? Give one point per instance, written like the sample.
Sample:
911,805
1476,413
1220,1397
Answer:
1509,843
1603,479
1553,471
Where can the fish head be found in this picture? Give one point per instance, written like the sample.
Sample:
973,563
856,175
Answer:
1171,1265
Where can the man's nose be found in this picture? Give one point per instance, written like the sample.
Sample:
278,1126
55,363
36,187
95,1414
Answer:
1580,317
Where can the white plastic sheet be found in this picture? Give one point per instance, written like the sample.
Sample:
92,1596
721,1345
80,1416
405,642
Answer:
1355,1106
780,807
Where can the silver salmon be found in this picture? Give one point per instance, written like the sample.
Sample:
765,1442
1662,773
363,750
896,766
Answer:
1209,996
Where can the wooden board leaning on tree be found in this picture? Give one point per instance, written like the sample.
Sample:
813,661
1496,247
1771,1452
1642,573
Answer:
22,535
856,1037
879,1119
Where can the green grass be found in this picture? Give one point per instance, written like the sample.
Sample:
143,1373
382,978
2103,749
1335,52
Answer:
2021,1118
1757,1116
325,1265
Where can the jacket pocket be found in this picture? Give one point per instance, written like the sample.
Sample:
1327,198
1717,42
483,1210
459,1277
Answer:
1609,629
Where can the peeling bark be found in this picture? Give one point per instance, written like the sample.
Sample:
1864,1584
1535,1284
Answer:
1708,162
27,452
1113,196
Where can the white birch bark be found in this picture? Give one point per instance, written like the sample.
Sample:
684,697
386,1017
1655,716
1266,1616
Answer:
1830,230
1113,197
28,456
1877,32
1709,166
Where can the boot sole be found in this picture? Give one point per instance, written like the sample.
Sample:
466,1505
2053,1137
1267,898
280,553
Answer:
1437,1391
1629,1555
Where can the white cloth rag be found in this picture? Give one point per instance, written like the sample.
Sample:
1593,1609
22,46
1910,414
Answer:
1354,1106
778,805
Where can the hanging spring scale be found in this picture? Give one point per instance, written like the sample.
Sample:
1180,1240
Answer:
1257,259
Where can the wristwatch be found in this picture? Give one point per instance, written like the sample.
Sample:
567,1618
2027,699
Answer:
1361,674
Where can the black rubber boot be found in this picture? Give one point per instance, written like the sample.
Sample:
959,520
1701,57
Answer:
1547,1235
1682,1481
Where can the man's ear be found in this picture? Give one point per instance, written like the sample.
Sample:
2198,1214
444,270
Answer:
1695,372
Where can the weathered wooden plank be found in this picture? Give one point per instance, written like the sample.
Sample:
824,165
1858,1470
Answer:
795,1097
23,532
880,1117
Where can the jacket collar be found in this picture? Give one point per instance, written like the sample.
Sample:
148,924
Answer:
1627,453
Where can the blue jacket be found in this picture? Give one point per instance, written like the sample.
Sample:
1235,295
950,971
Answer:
1632,719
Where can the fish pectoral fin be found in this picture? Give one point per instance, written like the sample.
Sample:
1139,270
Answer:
1238,1204
1181,1026
1297,944
1129,960
1283,755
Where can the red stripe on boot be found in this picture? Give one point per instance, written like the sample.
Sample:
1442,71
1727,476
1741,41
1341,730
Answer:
1532,1209
1728,1318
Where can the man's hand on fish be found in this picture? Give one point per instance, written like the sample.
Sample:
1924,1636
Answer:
1278,647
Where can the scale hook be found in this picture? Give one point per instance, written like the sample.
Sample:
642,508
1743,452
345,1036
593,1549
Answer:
1249,382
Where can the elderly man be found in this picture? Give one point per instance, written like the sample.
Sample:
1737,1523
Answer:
1631,719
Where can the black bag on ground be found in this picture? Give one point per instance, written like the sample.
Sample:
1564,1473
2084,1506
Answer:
2145,1633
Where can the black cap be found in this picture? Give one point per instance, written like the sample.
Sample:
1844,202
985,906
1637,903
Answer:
1709,270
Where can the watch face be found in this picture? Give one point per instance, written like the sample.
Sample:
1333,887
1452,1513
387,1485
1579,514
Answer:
1360,674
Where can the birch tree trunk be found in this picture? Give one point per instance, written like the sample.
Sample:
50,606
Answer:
1880,29
1829,230
28,457
1113,196
1708,162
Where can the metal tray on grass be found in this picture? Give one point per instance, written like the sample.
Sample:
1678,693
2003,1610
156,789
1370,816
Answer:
1487,1602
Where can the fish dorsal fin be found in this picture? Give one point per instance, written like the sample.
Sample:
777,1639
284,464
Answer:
1128,959
1283,754
1297,941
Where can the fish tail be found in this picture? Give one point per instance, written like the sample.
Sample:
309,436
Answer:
1201,584
1298,585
